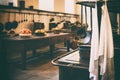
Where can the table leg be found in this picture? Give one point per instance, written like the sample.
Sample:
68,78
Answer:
34,52
23,55
64,43
4,66
68,45
52,47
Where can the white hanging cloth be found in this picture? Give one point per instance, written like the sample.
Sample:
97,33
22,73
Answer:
93,64
106,50
103,49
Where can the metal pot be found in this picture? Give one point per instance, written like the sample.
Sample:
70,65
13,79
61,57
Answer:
84,52
38,25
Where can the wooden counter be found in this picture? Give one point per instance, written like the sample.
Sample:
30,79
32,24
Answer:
22,45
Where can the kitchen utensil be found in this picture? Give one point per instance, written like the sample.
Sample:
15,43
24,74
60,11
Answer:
86,16
81,14
33,18
8,25
14,23
22,18
19,18
25,17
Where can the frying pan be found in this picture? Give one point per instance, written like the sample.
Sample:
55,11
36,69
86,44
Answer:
8,25
14,23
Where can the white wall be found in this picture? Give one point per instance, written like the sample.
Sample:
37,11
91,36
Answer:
69,6
59,5
35,3
46,5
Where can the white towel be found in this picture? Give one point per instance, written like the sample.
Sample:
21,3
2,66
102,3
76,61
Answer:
103,49
93,65
106,50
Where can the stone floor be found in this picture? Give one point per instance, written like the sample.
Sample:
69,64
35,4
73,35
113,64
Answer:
38,69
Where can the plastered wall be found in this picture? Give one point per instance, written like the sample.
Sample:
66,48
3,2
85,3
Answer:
5,17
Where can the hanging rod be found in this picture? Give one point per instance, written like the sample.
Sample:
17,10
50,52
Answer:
4,7
113,6
19,12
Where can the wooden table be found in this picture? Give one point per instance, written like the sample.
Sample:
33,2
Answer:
71,67
22,45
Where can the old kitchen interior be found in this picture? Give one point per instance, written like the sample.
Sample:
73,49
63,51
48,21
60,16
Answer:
51,39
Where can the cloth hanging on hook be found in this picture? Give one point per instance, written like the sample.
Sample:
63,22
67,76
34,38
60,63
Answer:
106,50
93,64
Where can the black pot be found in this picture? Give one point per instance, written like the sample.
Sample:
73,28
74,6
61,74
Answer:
84,52
22,4
38,25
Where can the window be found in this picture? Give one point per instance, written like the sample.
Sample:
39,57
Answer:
46,5
69,6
